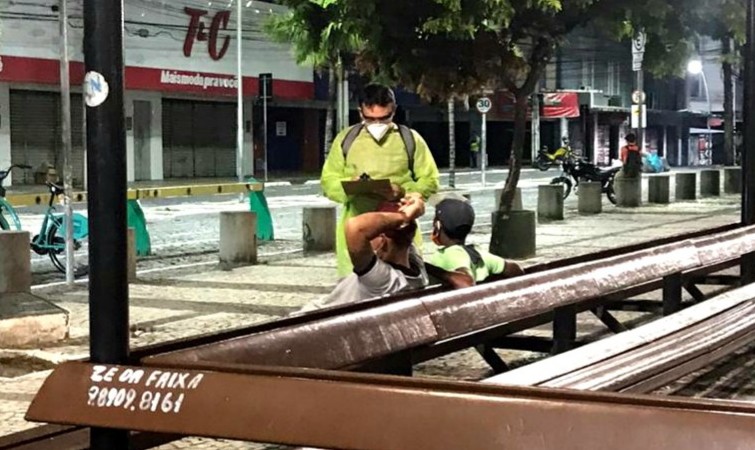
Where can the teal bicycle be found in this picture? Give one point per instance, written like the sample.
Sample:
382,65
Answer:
50,240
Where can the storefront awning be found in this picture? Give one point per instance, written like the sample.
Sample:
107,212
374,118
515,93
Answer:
556,105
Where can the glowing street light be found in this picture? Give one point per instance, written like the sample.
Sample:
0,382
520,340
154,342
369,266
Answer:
695,67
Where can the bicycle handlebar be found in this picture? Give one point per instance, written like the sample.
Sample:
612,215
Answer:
18,166
4,174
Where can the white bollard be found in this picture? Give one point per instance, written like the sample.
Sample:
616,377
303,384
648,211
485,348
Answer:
238,238
15,262
319,228
550,202
590,198
131,255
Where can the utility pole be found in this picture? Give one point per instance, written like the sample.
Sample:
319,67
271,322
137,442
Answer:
65,130
239,97
535,124
106,163
638,108
747,267
451,144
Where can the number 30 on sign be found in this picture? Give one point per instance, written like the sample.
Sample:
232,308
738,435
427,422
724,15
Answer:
483,105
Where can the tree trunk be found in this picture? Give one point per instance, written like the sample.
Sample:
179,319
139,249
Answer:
729,119
451,144
330,112
517,149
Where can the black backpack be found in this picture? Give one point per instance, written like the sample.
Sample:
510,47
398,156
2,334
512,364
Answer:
633,166
406,136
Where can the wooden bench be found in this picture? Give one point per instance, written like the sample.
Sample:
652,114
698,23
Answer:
427,326
650,356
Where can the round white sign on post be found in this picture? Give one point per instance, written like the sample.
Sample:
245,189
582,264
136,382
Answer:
96,89
638,97
638,43
484,105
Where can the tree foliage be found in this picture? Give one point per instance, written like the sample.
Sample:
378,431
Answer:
447,48
318,30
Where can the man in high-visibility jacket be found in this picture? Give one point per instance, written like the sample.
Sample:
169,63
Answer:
474,150
380,149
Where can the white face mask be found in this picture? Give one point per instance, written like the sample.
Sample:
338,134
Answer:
378,130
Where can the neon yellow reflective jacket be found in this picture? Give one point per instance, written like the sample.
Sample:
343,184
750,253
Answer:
388,160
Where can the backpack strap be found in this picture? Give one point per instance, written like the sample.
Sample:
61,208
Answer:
351,135
406,135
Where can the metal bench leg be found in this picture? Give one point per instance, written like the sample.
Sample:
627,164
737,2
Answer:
564,328
747,268
601,312
491,357
672,294
695,292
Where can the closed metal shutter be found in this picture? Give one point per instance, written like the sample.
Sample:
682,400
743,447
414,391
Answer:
199,139
34,137
78,138
35,133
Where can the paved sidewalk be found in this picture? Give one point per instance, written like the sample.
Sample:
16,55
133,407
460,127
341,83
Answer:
185,302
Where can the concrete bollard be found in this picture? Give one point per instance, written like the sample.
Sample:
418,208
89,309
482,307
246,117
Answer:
732,180
659,189
238,238
590,198
686,187
319,228
710,183
517,200
550,202
628,191
131,255
15,262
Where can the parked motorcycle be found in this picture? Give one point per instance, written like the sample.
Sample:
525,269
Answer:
581,170
546,159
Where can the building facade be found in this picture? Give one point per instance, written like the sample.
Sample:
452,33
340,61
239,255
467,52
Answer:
180,90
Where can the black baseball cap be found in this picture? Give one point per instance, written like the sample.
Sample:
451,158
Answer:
456,217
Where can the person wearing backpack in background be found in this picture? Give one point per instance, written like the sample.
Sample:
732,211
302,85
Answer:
462,264
380,149
631,157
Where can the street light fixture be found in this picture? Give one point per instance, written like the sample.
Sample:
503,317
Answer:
695,67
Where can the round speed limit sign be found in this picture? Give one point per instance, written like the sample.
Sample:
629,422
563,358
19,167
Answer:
483,105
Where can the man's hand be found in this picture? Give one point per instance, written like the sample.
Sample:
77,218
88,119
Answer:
412,206
393,194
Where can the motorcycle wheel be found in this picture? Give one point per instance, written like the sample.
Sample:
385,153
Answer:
610,192
566,182
542,164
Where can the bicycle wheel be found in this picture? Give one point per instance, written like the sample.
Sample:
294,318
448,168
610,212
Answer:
57,252
4,223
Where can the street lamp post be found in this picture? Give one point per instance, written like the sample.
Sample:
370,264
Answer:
695,67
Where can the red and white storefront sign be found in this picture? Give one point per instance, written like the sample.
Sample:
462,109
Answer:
170,46
46,72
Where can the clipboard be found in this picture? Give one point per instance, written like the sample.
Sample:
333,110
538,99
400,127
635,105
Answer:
366,187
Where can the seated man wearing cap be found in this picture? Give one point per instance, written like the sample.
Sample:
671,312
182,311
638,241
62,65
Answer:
462,264
380,248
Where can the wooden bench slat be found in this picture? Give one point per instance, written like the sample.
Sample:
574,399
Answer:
553,367
674,373
340,340
631,367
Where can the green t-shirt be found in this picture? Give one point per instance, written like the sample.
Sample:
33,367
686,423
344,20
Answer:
455,257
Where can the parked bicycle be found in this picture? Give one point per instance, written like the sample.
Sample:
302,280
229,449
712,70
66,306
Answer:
50,240
581,170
